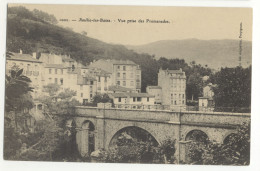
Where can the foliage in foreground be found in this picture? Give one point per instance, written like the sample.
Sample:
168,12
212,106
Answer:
132,150
235,151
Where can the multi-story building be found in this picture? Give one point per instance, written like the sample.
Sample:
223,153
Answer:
103,79
173,84
86,88
124,73
156,91
32,68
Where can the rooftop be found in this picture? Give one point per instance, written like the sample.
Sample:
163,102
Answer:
118,88
130,95
122,62
59,66
206,97
22,57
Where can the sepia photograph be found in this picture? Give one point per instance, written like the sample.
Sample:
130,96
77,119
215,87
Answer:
128,84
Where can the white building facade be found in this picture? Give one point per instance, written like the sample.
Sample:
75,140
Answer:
173,84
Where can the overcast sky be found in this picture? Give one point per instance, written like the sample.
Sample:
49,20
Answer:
185,22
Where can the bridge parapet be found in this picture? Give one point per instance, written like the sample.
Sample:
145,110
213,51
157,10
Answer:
128,114
182,117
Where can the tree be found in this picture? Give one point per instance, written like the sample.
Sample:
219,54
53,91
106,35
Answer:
233,90
56,101
167,150
101,98
51,135
18,102
236,151
194,86
17,97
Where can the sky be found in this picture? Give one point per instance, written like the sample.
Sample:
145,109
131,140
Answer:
184,22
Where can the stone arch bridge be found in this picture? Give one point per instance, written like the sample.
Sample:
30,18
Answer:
96,127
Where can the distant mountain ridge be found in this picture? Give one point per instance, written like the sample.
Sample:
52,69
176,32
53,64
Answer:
214,53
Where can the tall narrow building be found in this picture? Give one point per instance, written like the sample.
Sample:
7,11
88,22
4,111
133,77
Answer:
173,84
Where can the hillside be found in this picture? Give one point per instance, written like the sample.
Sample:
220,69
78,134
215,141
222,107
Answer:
31,32
214,53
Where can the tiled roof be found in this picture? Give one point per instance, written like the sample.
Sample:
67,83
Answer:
22,57
139,95
117,95
122,62
118,88
175,71
130,95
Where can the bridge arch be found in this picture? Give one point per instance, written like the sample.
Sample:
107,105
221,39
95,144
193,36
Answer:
196,135
140,134
88,136
228,137
114,133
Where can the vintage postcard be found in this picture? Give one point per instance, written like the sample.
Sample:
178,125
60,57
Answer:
128,84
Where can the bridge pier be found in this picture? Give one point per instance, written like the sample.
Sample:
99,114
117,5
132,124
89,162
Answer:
82,139
100,133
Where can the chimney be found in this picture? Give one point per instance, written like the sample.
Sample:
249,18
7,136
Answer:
34,55
21,52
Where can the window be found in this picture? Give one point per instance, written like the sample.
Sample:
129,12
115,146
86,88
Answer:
28,66
56,80
124,83
118,82
124,68
61,71
91,95
91,82
61,81
124,75
183,96
148,99
118,67
118,74
171,95
99,79
105,79
81,95
119,99
175,102
49,71
133,99
183,102
139,99
56,71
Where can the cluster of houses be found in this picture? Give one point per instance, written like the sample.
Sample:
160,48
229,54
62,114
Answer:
120,79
